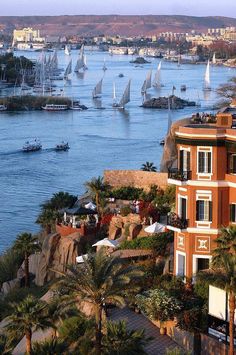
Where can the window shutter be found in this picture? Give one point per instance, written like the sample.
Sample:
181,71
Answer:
197,211
234,164
231,212
181,160
209,162
188,161
201,162
210,210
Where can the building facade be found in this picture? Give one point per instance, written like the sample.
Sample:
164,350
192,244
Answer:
205,183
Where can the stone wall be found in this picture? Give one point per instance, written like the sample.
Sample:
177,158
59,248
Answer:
135,178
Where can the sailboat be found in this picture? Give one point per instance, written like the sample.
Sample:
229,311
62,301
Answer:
67,50
207,83
104,68
214,58
68,70
179,61
124,99
85,62
97,91
162,142
157,79
147,82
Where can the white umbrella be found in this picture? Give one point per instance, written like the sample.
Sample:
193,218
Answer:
80,259
106,243
91,206
155,228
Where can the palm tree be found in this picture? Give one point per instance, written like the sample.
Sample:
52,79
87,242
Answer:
223,273
121,341
148,167
97,187
49,347
28,315
26,244
47,219
101,280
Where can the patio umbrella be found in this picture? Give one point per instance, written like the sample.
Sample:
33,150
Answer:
80,259
106,243
155,228
90,206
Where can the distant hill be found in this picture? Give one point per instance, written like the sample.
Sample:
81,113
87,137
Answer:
86,25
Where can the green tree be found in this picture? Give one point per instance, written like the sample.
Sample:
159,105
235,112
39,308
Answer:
121,341
97,187
101,280
50,347
26,316
223,272
148,166
26,244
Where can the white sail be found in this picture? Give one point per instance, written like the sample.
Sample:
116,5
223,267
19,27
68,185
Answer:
68,70
114,93
149,80
207,83
85,62
144,87
67,50
214,58
97,91
157,79
104,65
79,65
126,96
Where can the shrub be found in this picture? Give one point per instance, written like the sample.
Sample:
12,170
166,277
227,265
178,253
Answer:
157,243
125,210
126,193
10,262
159,305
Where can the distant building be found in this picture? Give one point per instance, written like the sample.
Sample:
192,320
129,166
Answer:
27,35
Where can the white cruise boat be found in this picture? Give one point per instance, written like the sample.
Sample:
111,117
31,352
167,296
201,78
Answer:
54,107
33,146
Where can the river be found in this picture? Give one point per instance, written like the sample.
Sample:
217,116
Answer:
99,139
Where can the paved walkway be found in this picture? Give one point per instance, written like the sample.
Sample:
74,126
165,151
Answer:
160,343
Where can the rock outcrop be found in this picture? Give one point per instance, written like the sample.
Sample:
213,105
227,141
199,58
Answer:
169,157
140,60
129,227
176,103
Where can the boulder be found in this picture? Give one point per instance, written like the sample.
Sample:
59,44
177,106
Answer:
9,286
140,60
176,103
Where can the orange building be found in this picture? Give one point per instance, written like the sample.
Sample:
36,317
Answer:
205,183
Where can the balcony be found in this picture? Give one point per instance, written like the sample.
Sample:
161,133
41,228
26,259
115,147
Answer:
176,222
179,175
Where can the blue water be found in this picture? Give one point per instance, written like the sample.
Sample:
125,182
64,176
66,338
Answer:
99,139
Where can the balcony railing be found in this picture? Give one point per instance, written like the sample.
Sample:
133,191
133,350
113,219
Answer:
174,220
180,175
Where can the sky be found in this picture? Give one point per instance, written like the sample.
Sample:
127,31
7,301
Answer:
124,7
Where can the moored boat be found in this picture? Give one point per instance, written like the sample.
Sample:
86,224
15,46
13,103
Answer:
54,107
63,146
32,146
75,105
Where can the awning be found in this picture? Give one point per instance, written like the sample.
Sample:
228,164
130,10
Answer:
106,243
80,211
91,206
155,228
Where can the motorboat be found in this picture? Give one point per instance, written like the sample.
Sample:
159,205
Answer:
121,75
33,146
183,88
3,107
75,105
54,107
63,146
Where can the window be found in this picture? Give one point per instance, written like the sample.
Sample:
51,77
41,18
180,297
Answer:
204,162
204,210
181,265
233,213
184,161
232,163
202,264
183,208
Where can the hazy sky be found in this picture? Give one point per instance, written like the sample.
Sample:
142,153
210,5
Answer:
76,7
